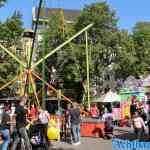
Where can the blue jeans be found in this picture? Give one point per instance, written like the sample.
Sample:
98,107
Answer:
139,132
6,138
76,132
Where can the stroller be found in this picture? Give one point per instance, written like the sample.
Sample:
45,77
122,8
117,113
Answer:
38,136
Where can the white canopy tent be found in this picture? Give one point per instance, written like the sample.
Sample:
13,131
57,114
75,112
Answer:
108,98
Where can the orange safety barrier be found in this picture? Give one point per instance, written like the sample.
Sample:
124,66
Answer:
92,129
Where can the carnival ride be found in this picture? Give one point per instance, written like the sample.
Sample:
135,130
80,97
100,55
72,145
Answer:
28,68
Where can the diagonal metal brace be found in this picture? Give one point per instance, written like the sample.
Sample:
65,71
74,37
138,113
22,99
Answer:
12,55
51,87
62,45
9,83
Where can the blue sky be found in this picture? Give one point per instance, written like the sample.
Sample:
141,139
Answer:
128,11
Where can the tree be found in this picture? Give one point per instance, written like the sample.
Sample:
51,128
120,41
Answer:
126,55
2,2
64,60
141,36
104,20
10,36
102,36
11,30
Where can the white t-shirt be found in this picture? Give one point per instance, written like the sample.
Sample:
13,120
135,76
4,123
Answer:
44,117
138,123
107,115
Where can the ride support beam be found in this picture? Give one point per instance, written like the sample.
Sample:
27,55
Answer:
51,87
62,45
35,31
87,69
8,83
34,89
12,55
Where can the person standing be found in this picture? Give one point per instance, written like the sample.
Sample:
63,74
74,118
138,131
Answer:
108,121
75,123
142,114
94,111
138,125
4,130
148,119
67,116
21,122
44,118
133,106
33,112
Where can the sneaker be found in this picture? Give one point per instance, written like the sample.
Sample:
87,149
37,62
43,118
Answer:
77,143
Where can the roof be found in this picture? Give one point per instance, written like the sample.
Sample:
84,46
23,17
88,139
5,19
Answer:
69,14
108,97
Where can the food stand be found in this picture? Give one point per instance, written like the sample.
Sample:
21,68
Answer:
93,127
113,99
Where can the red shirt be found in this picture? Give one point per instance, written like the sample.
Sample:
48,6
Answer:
94,111
33,112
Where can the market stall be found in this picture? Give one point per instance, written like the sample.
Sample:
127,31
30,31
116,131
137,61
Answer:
113,99
91,127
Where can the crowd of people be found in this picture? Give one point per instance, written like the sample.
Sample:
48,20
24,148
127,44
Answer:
140,118
23,117
72,118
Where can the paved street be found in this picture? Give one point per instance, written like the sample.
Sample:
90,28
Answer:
92,143
97,143
86,144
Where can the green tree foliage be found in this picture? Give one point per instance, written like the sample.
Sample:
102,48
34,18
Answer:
104,20
10,35
111,51
2,2
65,59
11,30
126,55
102,36
141,36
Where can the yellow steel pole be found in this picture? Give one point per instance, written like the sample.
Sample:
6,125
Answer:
34,89
8,83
